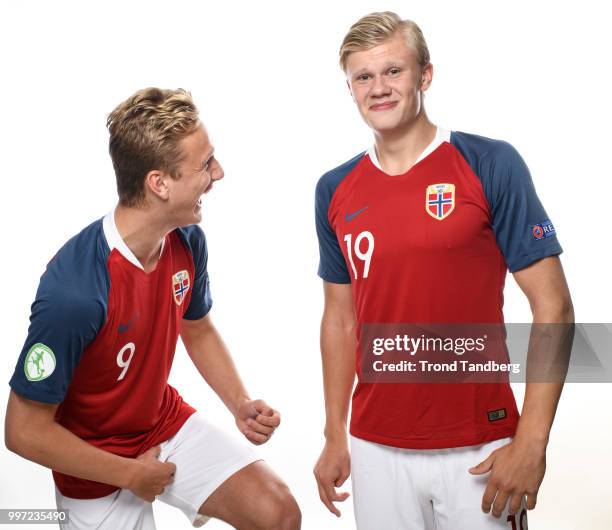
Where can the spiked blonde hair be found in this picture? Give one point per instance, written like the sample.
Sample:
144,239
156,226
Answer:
375,28
145,131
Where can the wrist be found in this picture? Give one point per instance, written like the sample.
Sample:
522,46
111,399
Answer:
128,477
535,439
235,404
335,433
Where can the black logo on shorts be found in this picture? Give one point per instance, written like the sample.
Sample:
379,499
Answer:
495,415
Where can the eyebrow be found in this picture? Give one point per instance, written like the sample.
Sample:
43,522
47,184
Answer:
386,66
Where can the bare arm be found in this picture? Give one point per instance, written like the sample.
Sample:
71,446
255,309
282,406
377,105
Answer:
518,468
255,419
32,432
546,289
338,343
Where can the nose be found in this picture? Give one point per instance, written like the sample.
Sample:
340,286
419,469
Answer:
379,87
217,173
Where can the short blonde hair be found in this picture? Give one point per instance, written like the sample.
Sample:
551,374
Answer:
375,28
145,131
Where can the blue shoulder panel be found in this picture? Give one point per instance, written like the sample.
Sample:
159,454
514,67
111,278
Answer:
201,300
523,231
332,267
68,312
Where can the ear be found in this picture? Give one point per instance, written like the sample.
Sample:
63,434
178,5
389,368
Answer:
426,76
156,182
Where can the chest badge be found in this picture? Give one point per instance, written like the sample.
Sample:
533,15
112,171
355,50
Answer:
440,200
180,286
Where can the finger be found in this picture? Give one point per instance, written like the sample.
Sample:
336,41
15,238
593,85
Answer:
255,437
500,503
152,452
270,421
341,479
334,495
342,496
484,466
260,428
261,406
515,504
265,409
532,499
488,497
325,500
171,467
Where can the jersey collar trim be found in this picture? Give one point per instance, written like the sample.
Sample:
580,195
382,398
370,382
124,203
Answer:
114,239
442,135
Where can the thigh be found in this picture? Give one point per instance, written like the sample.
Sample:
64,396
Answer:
205,458
457,495
388,488
121,509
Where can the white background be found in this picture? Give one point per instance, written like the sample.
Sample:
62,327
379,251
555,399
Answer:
265,77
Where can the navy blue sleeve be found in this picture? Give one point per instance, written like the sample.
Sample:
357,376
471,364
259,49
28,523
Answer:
201,300
67,314
332,266
522,228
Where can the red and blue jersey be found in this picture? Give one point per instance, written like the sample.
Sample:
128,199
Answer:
432,245
102,338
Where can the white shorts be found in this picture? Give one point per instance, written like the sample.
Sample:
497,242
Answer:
204,456
423,489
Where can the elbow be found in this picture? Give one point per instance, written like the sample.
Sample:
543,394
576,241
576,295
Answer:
559,310
344,326
11,439
20,441
568,311
16,433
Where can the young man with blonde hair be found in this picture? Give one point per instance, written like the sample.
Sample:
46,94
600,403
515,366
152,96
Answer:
422,228
90,397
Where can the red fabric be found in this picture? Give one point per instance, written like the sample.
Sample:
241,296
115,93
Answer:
130,415
423,270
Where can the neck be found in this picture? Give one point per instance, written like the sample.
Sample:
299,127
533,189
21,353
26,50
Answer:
142,232
398,150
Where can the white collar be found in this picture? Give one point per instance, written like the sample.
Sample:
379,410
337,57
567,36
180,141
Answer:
442,135
114,239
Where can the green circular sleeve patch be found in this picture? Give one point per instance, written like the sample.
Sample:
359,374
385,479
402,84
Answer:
39,362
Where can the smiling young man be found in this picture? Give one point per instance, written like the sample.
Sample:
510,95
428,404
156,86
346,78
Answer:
90,397
422,228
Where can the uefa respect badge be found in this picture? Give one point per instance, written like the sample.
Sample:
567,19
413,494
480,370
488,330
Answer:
39,363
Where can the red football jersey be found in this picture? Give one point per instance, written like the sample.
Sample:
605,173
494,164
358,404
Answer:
432,245
102,340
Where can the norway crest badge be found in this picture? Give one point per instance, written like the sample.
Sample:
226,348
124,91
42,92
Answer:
440,200
180,286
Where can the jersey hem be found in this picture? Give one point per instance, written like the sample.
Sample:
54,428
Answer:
537,256
442,443
24,393
334,279
198,315
97,490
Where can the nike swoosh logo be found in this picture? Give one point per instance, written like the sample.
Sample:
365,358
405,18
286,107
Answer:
124,327
349,217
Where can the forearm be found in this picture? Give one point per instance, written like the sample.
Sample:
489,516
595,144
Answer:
338,344
549,352
214,362
57,448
